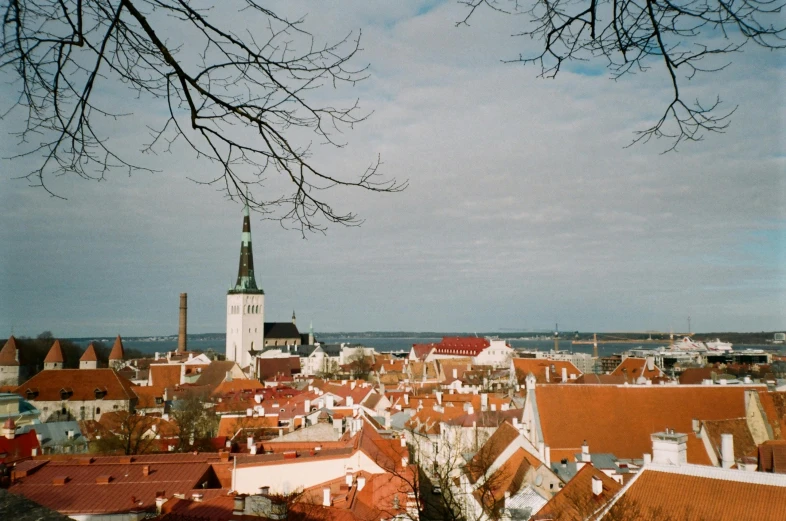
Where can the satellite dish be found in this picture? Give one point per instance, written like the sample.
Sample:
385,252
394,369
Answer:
538,480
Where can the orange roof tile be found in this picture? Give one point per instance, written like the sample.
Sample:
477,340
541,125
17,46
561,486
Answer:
737,427
8,353
541,367
772,456
117,350
55,354
633,368
90,354
82,382
230,426
576,501
620,419
166,375
491,450
656,495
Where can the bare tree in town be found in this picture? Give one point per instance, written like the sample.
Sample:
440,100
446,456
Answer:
238,94
196,421
685,37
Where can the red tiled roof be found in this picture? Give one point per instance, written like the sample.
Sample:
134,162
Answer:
90,354
117,350
55,354
82,383
592,378
657,495
8,353
634,368
166,375
491,450
18,448
128,489
229,426
696,375
620,419
772,457
737,427
539,367
576,501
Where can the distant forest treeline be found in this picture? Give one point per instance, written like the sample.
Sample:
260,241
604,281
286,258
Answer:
33,351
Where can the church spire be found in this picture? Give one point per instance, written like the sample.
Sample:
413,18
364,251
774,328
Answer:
245,272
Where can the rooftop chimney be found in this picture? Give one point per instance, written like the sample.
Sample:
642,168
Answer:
361,482
585,453
669,448
181,336
597,486
326,496
240,505
727,450
564,374
348,479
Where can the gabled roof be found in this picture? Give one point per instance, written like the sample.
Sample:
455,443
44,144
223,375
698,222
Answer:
284,330
8,353
541,367
90,354
772,457
694,493
576,501
215,373
166,375
737,427
491,450
633,368
118,352
620,419
82,383
55,354
18,448
127,488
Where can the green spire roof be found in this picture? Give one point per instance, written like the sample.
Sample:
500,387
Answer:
245,272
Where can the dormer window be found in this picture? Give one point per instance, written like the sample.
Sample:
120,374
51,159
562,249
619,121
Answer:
99,393
66,393
32,394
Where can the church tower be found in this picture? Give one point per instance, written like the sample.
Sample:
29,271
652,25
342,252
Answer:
245,306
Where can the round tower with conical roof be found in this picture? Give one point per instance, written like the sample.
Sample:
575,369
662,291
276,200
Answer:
9,363
54,358
89,359
117,356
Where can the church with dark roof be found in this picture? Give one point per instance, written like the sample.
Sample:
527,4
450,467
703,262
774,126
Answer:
247,332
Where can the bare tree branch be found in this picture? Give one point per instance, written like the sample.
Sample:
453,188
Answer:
236,102
630,35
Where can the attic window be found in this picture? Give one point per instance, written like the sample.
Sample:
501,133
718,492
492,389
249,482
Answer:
32,393
100,393
66,393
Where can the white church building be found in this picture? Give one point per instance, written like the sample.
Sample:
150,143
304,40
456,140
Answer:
247,332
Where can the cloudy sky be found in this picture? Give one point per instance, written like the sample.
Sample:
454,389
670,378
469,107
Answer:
524,208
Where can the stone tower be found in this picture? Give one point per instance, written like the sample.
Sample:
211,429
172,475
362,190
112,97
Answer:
9,363
118,355
89,359
54,359
245,306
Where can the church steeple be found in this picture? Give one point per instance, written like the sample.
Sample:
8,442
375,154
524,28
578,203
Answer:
246,283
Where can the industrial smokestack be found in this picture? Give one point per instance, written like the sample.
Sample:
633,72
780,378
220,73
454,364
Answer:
181,337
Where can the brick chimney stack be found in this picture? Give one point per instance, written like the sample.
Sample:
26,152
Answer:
181,337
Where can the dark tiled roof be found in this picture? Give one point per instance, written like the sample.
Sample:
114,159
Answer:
284,330
215,373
